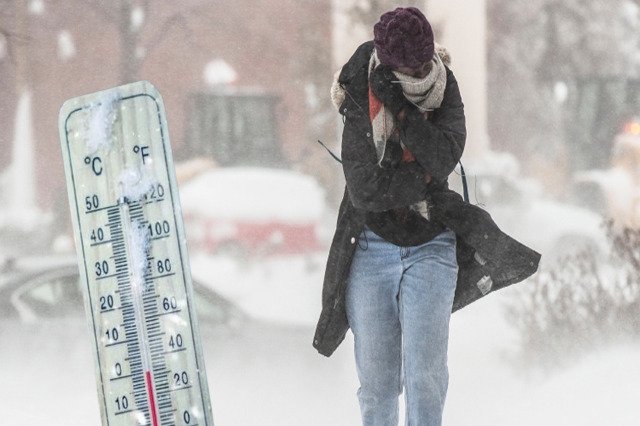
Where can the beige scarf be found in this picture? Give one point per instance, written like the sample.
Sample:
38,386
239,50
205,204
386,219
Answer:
425,93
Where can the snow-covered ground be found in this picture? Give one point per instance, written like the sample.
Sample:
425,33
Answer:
485,389
283,289
269,374
600,389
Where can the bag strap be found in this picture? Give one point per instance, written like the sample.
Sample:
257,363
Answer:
465,189
335,157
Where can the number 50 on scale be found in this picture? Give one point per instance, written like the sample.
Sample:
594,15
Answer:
133,260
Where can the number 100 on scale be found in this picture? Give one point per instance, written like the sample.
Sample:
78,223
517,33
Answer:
133,260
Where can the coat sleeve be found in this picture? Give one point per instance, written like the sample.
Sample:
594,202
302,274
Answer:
438,142
373,188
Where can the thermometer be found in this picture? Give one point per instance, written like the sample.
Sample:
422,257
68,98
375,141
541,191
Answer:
133,260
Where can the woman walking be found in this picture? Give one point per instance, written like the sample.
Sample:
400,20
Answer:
407,250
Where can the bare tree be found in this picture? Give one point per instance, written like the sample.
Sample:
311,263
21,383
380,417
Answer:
535,44
136,38
580,304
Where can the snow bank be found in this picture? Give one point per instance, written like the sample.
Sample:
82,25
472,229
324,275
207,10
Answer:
282,291
603,389
485,389
284,380
256,194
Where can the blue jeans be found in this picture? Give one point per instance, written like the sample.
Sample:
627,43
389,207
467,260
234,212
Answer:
398,302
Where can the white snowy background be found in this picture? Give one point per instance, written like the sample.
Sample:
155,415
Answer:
262,369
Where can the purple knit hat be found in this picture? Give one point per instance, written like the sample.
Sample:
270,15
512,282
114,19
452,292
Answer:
403,38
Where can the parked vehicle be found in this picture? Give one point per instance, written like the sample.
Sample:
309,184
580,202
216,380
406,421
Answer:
259,372
551,227
615,191
37,290
521,208
253,211
252,205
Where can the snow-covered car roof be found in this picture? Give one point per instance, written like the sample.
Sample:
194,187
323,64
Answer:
255,194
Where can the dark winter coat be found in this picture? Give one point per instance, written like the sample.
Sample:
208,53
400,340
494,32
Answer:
437,144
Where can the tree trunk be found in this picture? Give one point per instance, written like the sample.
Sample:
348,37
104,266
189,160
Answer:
21,47
129,61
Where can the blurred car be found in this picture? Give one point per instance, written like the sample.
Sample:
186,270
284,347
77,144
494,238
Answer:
253,210
550,227
35,290
520,207
254,368
615,191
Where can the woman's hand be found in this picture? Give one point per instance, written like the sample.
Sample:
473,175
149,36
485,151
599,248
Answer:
403,114
438,142
385,86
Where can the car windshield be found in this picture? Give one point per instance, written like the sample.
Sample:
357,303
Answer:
49,295
210,308
58,294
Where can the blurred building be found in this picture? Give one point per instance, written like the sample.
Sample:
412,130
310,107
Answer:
564,78
59,50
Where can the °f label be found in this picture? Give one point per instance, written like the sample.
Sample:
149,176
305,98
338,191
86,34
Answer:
133,260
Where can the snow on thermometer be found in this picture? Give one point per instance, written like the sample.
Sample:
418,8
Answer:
133,259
